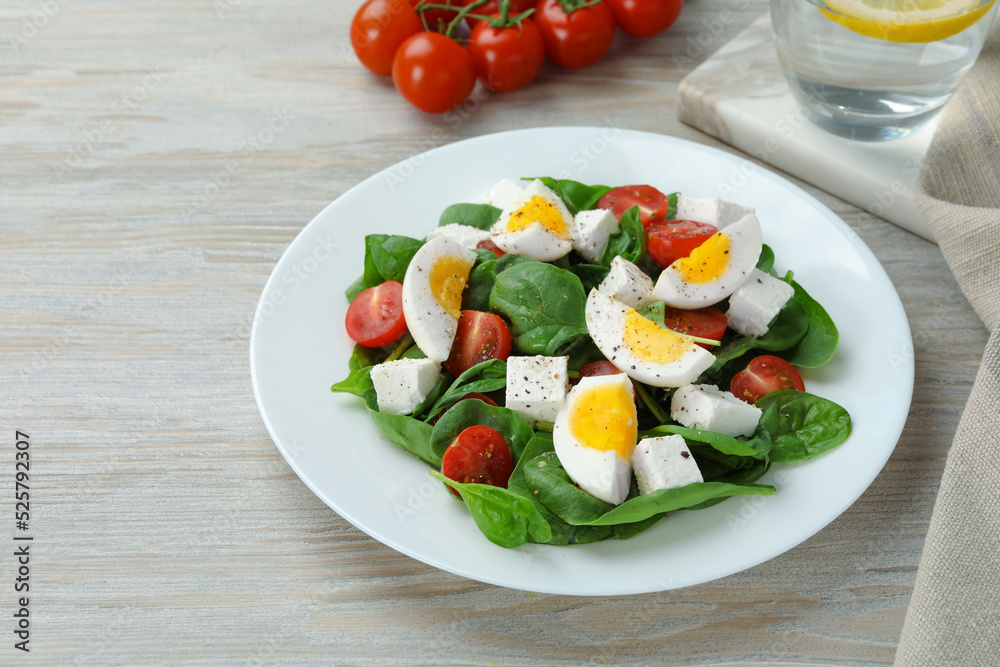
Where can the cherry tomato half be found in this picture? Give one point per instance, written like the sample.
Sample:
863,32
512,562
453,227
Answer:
652,203
645,18
507,59
601,367
479,455
474,395
670,240
487,244
762,376
701,322
577,39
438,19
480,336
378,29
375,317
433,72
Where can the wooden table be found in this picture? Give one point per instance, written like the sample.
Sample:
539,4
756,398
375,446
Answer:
157,159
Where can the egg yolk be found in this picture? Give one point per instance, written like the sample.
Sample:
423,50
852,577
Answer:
540,211
603,417
447,281
706,262
652,343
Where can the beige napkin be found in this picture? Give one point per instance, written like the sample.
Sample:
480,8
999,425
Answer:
954,614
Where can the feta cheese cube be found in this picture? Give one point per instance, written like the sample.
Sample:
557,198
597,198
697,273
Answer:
501,195
466,236
756,302
404,384
591,230
664,463
705,407
627,283
712,211
536,386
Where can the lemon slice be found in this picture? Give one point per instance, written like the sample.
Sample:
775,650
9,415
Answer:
906,20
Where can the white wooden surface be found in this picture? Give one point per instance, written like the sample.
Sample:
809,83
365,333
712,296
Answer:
167,527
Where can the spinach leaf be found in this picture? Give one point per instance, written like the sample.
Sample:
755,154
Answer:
545,305
477,288
789,327
802,425
577,196
590,275
411,434
505,518
484,377
641,508
766,260
821,339
387,256
745,476
629,241
481,216
671,206
355,288
359,383
511,426
725,444
546,476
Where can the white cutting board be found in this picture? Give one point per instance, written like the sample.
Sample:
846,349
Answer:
740,95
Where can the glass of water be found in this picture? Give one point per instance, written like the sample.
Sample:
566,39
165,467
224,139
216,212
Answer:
877,69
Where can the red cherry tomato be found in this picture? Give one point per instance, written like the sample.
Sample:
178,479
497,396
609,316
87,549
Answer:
764,375
645,18
491,7
379,28
482,397
492,247
670,240
601,367
433,72
438,19
479,455
577,39
702,322
375,317
480,336
652,203
507,59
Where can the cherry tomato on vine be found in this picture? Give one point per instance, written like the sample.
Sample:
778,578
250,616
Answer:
577,39
670,240
438,19
375,317
652,203
433,72
492,7
763,375
480,336
479,455
509,58
701,322
378,29
645,18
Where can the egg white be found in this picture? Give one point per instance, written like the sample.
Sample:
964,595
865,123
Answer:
535,240
600,472
606,322
745,243
432,327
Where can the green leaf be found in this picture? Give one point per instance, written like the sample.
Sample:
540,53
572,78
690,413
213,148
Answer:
355,288
672,206
545,305
590,275
766,260
577,196
641,508
821,339
481,216
629,241
479,285
358,383
483,378
409,433
387,256
725,444
546,476
505,518
802,425
514,429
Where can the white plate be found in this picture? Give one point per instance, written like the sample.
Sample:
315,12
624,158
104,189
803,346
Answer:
298,348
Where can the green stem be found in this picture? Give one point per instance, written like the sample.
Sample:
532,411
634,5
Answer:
650,403
544,426
462,13
698,339
404,346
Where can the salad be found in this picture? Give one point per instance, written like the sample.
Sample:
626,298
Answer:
577,361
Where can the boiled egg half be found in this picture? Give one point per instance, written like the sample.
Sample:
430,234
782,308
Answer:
536,225
594,434
432,294
713,270
640,348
